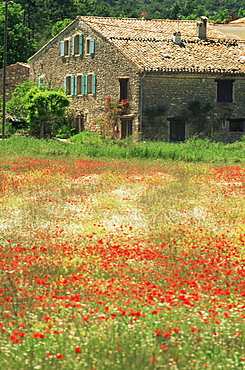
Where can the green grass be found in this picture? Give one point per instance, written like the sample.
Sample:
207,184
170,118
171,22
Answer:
91,145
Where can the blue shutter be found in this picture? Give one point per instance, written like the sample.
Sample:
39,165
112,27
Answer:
41,80
91,46
93,84
65,84
62,48
84,84
72,45
75,85
73,88
80,44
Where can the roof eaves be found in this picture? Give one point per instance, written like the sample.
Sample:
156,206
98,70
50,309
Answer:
210,71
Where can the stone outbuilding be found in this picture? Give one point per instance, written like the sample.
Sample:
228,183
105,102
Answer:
15,74
181,77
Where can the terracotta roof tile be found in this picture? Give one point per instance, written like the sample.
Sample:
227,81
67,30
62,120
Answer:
149,44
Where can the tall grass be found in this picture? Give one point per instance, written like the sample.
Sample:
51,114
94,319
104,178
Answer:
91,145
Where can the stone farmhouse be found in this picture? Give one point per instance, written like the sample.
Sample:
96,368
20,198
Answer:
181,77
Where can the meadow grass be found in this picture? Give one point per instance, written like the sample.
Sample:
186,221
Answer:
91,145
119,264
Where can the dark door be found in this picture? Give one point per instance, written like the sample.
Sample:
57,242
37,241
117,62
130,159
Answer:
177,129
126,128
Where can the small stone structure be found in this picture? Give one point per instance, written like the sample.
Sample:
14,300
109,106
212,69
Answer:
163,67
15,74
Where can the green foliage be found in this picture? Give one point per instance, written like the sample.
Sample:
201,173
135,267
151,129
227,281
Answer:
16,106
153,126
42,107
40,20
196,115
109,124
93,145
20,44
87,138
45,110
59,26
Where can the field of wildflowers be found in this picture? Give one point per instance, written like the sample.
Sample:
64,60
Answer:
121,265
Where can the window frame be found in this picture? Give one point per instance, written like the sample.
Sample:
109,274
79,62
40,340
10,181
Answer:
236,122
80,84
225,90
65,48
90,46
123,92
67,84
77,44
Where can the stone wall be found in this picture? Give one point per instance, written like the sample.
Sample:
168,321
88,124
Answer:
166,96
107,63
154,97
15,74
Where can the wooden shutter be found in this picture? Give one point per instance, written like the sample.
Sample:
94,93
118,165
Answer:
91,46
80,44
65,84
73,45
84,84
73,85
93,84
225,91
41,80
62,48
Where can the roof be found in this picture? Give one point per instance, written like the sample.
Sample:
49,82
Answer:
21,64
238,21
149,45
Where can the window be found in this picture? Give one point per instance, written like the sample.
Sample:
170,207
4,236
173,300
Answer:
90,46
67,84
77,44
89,84
224,91
123,88
41,80
79,85
82,84
64,47
237,125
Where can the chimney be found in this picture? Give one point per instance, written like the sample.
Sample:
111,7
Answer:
144,15
177,37
202,28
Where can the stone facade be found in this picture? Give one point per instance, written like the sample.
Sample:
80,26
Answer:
169,96
176,89
15,74
106,63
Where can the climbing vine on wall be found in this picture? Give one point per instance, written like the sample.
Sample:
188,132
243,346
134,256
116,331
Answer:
196,115
153,125
109,124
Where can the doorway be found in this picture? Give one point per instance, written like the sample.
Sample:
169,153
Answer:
177,129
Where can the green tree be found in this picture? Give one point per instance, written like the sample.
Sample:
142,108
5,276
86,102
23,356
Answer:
15,106
59,26
20,46
42,107
45,110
